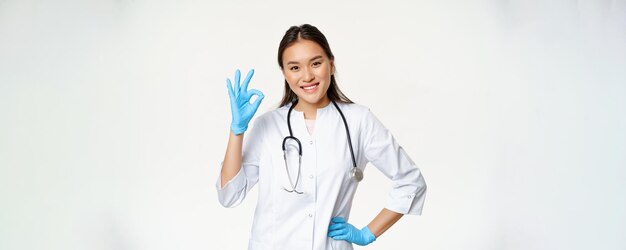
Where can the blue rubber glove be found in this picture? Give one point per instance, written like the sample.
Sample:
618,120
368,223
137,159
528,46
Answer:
240,107
342,230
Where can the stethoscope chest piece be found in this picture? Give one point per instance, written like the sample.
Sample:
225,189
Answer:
357,174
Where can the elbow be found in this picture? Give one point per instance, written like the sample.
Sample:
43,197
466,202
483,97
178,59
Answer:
229,203
229,198
421,186
233,192
421,189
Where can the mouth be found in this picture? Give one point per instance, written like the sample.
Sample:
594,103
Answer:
310,88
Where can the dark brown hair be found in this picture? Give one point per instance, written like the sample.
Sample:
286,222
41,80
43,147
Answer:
311,33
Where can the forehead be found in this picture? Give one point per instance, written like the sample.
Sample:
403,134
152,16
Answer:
302,51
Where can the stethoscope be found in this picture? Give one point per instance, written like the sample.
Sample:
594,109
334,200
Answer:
355,173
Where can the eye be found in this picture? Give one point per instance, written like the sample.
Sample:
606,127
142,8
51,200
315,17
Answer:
294,68
317,63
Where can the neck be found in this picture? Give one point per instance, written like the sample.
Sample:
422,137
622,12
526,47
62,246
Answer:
310,109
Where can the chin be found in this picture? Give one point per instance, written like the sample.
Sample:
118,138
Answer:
310,99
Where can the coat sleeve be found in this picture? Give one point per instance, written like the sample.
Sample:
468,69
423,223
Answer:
381,149
235,190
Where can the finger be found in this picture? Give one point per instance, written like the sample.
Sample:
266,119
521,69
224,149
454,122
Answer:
259,98
338,220
337,232
247,80
341,237
230,88
237,76
336,226
256,92
333,233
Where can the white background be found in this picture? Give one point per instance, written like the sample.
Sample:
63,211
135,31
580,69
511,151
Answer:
114,117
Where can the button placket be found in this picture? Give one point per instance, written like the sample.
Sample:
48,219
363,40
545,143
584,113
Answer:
312,168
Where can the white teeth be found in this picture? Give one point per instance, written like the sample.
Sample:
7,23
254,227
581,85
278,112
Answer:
310,87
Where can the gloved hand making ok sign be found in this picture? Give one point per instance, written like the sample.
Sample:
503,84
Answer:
241,109
340,229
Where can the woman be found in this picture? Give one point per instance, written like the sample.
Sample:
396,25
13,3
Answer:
304,201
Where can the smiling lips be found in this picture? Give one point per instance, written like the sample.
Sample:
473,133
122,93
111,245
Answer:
310,88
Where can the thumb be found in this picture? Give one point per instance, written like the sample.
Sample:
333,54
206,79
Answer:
338,220
259,99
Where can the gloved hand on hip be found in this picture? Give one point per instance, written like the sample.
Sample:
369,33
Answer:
342,230
241,109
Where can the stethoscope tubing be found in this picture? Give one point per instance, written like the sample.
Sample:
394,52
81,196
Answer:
356,173
343,118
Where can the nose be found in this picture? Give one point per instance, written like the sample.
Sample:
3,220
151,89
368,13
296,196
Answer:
308,75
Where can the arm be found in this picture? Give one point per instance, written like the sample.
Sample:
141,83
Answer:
383,221
408,189
242,111
234,182
232,158
240,168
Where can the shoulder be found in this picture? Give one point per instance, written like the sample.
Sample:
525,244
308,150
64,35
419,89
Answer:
357,111
272,115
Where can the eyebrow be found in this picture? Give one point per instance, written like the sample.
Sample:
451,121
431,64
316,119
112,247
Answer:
312,59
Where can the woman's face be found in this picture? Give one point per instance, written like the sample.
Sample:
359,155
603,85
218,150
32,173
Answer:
307,69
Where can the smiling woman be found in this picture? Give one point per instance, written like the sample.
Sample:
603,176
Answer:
308,57
311,213
307,72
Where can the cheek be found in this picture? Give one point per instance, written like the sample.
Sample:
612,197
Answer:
292,77
326,69
293,87
293,83
324,73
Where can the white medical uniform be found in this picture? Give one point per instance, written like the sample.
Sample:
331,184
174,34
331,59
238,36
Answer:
284,220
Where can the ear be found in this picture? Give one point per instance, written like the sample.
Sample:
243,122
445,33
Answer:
332,67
